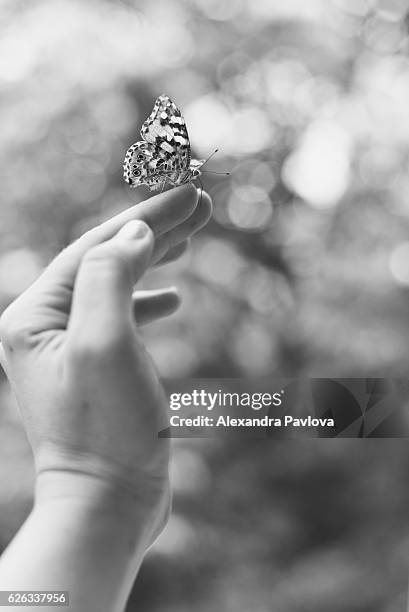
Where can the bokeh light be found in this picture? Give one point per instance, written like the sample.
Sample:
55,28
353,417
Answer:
19,268
399,263
319,169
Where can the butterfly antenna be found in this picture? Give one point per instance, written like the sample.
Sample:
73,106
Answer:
211,171
210,157
219,173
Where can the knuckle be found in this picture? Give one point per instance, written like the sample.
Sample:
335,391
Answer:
108,257
14,331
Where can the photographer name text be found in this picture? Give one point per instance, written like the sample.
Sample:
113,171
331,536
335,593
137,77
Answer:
202,421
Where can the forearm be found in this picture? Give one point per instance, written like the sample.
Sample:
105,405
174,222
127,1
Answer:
76,545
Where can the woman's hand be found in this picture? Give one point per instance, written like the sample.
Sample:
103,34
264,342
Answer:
89,396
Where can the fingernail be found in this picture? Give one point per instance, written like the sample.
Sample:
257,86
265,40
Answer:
133,229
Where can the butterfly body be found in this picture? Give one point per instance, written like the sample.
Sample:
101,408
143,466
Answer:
163,155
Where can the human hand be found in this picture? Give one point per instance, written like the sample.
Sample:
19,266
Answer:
88,393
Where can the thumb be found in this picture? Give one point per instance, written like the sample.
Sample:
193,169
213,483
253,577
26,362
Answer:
102,300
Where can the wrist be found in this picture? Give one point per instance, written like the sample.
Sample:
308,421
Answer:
141,515
77,544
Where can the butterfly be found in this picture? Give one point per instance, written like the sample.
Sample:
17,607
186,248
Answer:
163,155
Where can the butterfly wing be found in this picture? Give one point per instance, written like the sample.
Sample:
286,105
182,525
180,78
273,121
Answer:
163,104
142,166
166,130
164,152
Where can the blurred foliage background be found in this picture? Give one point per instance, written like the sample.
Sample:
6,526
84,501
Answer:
303,270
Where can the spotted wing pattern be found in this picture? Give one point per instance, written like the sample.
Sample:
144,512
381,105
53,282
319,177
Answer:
163,154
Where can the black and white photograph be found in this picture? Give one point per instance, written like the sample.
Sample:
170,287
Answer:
204,305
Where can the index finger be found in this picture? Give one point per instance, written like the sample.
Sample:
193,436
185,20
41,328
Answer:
161,212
